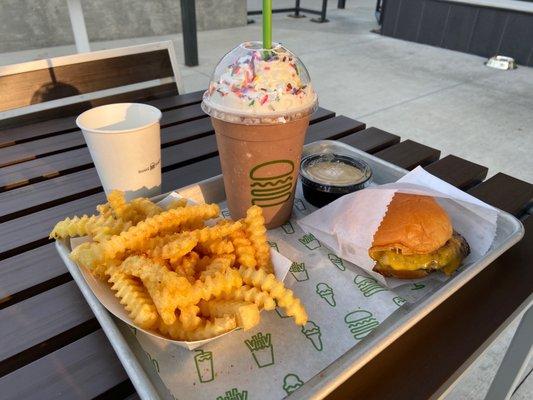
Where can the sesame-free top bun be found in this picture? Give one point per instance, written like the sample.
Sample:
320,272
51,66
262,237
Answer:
413,224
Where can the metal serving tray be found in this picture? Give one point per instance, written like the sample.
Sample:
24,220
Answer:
149,385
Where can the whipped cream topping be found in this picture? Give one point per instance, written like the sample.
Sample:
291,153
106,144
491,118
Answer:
262,83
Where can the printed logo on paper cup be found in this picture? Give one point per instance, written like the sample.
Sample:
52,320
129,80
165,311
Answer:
399,301
312,332
309,241
299,271
153,361
336,261
149,167
272,183
291,382
261,348
368,286
326,292
361,323
204,366
234,394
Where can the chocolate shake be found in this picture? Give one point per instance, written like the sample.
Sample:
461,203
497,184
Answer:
260,102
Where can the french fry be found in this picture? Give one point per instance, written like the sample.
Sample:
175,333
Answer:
168,290
217,246
243,249
177,203
134,237
253,295
246,314
284,297
255,228
135,298
206,330
189,317
97,226
187,266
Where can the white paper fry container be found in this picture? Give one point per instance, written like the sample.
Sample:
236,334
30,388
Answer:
124,140
106,296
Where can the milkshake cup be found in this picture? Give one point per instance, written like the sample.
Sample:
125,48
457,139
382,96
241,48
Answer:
260,101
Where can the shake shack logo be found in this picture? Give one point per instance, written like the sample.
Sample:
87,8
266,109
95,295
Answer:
150,167
271,183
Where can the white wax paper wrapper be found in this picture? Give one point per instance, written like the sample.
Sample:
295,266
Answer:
277,357
106,296
347,225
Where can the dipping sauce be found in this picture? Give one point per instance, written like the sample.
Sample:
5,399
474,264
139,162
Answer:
326,177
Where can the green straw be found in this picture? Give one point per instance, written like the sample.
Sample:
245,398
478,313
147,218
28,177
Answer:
267,24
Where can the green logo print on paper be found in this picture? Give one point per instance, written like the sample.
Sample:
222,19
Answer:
261,348
288,228
368,286
271,183
234,394
274,245
299,271
153,361
360,323
309,241
418,286
281,313
204,365
299,204
291,382
336,261
312,332
399,301
326,292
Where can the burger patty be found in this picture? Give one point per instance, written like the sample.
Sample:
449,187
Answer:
448,257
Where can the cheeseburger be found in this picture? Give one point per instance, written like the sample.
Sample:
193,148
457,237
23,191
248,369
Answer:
415,238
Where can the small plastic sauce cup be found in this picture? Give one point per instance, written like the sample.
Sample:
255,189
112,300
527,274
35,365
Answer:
326,177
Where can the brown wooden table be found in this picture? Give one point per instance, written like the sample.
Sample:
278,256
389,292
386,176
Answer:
52,346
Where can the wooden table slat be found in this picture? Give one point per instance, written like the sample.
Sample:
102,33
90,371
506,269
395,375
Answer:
503,191
41,317
82,370
438,345
29,269
70,141
39,169
60,189
23,234
333,128
457,171
10,137
60,164
409,154
371,140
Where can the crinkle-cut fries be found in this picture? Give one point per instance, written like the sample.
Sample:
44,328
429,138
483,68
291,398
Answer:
177,275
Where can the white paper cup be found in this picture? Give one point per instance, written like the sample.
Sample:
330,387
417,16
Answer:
124,140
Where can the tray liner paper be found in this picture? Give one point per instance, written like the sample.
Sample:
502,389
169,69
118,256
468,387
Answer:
275,358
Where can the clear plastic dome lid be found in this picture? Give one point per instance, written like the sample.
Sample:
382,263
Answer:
252,85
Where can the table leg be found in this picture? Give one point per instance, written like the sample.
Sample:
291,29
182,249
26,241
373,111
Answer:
515,360
322,13
296,10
